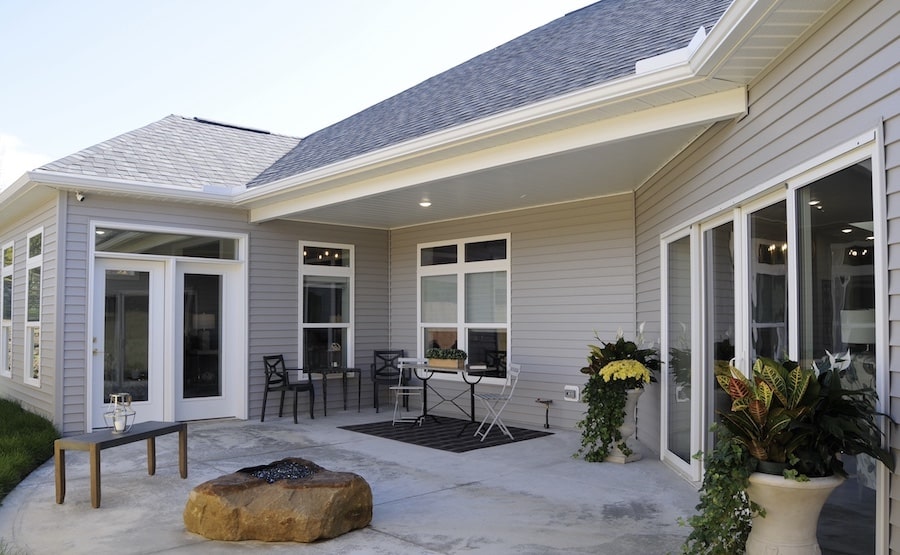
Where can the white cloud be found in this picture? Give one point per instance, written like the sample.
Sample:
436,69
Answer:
16,160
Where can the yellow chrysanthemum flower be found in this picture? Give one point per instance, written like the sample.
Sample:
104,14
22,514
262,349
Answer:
625,369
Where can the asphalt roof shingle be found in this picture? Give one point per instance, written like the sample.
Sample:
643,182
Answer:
595,44
182,152
590,46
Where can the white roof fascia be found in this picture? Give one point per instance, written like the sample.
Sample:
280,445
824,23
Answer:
208,194
682,67
569,105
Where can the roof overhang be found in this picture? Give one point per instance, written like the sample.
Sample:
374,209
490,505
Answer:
599,141
604,140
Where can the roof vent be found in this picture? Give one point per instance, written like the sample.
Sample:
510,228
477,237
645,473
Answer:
673,58
231,126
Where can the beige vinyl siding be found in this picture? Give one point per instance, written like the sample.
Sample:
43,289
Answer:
41,400
572,268
837,84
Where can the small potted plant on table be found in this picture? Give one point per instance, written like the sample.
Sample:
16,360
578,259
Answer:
446,358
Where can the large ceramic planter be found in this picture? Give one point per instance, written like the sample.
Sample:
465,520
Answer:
627,430
792,514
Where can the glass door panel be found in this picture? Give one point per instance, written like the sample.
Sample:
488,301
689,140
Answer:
202,376
679,382
718,269
836,272
127,339
768,282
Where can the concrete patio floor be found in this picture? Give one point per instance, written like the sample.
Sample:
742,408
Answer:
529,497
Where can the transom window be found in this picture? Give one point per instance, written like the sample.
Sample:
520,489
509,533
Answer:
464,298
107,239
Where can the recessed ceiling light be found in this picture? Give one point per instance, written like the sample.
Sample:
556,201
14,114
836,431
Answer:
425,203
814,202
847,230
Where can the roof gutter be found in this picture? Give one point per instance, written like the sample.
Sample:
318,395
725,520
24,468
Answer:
694,65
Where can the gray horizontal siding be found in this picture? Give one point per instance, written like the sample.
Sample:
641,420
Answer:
839,83
572,268
40,400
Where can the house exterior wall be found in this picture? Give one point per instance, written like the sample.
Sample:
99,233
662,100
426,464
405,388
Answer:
42,399
571,272
839,83
272,268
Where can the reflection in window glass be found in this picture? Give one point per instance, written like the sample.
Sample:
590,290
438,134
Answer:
441,338
486,250
35,245
433,256
486,297
324,348
34,348
326,256
768,282
837,263
7,256
325,299
34,294
7,298
487,347
164,244
439,298
718,245
678,283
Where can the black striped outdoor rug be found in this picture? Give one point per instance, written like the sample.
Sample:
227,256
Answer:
443,433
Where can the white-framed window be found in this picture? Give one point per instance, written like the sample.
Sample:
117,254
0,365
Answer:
34,263
326,305
7,256
794,274
464,298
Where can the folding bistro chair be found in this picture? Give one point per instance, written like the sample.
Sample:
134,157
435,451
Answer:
403,391
494,403
278,380
385,371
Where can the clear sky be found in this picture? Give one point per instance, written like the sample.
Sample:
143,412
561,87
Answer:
74,73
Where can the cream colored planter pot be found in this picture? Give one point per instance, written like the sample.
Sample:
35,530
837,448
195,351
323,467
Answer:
792,514
627,429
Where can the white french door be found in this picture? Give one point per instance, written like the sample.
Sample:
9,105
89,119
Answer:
127,346
210,317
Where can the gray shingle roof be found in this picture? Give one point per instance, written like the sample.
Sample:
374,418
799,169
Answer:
182,152
587,47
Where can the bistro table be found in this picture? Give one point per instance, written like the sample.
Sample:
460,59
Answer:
325,371
469,375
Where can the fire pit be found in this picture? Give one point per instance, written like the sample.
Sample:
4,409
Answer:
288,500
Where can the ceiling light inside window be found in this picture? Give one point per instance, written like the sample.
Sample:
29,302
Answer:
847,230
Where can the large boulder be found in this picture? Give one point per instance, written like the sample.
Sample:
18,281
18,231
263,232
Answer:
288,500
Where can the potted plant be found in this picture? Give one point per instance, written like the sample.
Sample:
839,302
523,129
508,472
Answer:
446,358
617,372
781,447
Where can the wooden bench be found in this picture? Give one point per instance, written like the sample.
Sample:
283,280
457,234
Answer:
104,439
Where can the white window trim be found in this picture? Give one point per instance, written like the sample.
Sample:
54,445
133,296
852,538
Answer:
348,272
6,324
32,262
868,146
460,268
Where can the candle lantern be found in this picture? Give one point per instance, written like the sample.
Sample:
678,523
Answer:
119,415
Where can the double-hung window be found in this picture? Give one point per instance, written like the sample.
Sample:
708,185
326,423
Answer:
326,278
464,298
6,284
33,265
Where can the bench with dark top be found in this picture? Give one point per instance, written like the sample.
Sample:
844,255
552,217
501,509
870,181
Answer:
97,441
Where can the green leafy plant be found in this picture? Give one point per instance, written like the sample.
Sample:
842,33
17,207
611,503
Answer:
26,441
724,512
613,368
447,354
787,415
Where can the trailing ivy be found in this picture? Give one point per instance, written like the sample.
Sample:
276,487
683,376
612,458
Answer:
724,513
